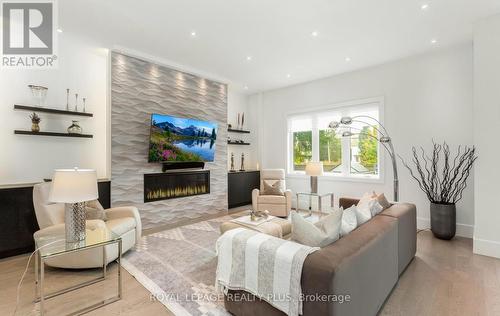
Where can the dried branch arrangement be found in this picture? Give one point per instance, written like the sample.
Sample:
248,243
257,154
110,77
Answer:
443,182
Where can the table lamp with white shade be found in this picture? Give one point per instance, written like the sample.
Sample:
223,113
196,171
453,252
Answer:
314,169
74,187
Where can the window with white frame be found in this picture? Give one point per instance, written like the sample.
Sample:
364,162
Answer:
311,139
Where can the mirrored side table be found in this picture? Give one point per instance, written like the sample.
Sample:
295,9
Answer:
54,245
311,195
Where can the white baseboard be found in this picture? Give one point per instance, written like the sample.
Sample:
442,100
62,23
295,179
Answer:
463,230
487,247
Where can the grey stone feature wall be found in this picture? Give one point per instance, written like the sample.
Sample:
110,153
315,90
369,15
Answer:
138,89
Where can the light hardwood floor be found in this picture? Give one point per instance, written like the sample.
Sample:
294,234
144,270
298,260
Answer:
444,279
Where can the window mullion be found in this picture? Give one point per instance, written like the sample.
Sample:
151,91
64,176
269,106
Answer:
315,139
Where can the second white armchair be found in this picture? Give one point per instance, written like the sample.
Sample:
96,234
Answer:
277,205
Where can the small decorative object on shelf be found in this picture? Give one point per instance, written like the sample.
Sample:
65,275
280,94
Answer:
67,99
35,120
84,105
75,128
40,93
232,163
238,121
76,102
229,126
242,167
242,120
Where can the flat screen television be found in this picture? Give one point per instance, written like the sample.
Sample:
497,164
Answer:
176,139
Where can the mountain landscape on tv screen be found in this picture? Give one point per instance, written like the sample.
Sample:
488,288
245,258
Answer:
181,139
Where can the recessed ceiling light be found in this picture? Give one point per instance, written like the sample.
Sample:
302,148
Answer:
348,59
193,33
245,87
59,30
434,41
288,75
249,58
424,6
314,34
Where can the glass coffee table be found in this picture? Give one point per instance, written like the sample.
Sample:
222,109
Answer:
54,244
319,196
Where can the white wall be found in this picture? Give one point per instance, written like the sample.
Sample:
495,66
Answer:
28,159
486,123
426,97
237,102
83,68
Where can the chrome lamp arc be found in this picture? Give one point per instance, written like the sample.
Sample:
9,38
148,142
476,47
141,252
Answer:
383,137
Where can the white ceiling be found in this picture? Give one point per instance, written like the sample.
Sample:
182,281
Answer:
275,33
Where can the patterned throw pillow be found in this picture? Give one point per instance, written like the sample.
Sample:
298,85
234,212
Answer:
382,200
273,189
95,210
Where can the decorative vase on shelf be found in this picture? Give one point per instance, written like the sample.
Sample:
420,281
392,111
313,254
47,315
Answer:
35,127
35,121
39,93
75,128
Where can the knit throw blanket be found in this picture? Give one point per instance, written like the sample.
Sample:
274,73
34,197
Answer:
263,265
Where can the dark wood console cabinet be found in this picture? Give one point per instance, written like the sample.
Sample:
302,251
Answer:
240,186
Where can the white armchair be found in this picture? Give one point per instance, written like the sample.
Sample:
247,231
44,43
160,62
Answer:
277,205
123,221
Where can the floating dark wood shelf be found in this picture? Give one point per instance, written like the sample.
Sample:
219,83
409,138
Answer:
52,134
238,131
48,110
236,143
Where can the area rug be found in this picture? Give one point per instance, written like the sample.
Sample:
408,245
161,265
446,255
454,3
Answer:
178,267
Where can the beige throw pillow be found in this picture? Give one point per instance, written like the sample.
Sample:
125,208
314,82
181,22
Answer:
273,189
94,210
320,234
382,200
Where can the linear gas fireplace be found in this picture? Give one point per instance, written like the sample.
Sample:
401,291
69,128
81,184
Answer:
171,185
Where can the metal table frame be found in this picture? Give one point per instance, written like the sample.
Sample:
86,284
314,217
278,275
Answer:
310,194
40,296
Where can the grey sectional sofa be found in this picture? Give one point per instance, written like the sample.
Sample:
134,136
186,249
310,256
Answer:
363,266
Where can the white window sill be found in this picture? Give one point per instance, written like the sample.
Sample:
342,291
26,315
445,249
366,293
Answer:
339,178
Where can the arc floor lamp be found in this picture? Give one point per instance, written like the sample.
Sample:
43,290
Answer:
383,138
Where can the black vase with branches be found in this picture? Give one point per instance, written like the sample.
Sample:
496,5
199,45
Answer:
442,176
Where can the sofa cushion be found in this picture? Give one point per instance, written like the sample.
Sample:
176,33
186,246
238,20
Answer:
122,225
272,199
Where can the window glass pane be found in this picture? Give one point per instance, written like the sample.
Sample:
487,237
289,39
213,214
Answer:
364,151
330,150
302,149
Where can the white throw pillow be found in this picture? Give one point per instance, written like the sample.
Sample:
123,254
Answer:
375,207
363,213
320,234
369,200
349,221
